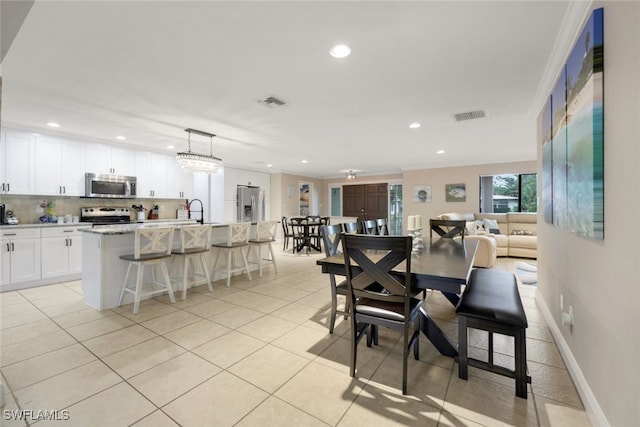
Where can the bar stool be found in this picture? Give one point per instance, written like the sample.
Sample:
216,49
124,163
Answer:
193,242
152,246
266,233
237,238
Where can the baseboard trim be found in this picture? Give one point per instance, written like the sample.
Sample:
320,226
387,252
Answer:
591,406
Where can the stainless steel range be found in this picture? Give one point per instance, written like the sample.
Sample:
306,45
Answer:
105,215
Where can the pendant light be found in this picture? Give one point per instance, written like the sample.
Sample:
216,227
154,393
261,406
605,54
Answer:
193,162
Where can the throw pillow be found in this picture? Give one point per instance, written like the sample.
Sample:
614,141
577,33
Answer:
470,228
489,224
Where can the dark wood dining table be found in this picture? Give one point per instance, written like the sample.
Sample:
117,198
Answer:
444,265
307,238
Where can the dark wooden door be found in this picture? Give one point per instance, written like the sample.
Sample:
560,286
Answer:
365,201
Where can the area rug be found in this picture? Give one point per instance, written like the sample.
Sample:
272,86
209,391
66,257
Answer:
528,273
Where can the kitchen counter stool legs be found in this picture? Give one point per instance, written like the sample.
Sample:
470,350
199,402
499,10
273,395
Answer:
152,247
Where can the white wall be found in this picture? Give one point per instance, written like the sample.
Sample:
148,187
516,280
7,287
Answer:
601,279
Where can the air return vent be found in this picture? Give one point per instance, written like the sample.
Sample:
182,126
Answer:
469,115
272,102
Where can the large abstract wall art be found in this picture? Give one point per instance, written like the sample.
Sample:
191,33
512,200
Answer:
573,156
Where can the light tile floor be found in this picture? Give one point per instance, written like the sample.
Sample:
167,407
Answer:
257,353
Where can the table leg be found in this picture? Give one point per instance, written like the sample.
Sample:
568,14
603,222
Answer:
453,298
437,337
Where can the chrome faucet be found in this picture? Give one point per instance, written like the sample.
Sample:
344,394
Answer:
201,220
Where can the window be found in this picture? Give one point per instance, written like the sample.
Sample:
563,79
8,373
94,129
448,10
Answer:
395,209
508,193
336,199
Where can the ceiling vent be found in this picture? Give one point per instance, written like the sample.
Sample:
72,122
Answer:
272,102
469,115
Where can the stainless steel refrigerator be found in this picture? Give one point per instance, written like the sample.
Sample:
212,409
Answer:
250,203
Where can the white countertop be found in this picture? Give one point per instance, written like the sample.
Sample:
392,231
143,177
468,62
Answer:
46,225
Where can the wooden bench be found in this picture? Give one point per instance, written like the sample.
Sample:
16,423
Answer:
491,302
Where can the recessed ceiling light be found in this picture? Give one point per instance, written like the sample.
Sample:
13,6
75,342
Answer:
269,165
171,147
415,125
53,125
305,161
340,51
121,138
440,152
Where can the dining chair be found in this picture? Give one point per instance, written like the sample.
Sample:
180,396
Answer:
331,239
152,247
265,235
370,227
381,226
298,225
350,227
447,229
379,298
237,239
287,233
314,230
193,243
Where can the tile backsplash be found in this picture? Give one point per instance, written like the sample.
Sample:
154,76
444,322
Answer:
27,208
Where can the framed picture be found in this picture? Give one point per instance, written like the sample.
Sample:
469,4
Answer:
455,192
422,193
305,193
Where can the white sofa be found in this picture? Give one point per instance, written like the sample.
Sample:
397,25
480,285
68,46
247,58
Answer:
517,236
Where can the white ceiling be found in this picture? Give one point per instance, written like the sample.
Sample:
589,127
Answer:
150,69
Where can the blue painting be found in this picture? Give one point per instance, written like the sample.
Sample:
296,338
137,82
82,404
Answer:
544,135
573,156
585,136
559,151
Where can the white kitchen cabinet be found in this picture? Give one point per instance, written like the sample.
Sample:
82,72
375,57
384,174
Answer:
61,251
59,167
234,177
151,171
104,159
17,165
20,255
180,183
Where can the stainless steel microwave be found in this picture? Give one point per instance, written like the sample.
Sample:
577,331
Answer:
109,186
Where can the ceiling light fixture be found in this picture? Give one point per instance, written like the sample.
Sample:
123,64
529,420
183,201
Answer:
304,161
192,162
340,51
440,152
415,125
351,174
121,138
53,125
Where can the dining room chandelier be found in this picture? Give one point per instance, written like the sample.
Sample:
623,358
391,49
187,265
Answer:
194,162
351,174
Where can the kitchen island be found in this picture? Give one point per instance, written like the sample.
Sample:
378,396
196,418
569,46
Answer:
103,271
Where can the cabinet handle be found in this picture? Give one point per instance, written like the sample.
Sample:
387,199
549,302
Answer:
8,187
64,189
13,248
9,234
70,242
3,187
8,248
